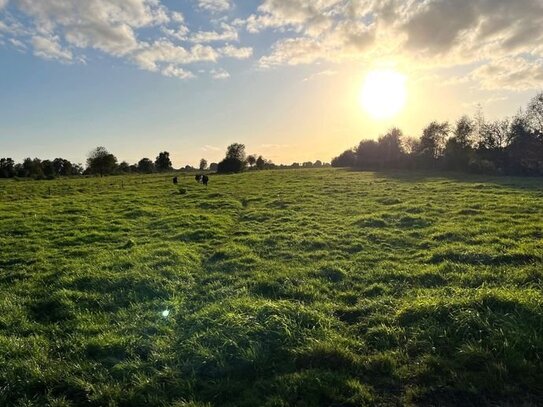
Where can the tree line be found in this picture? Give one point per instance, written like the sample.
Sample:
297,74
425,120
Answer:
512,146
101,162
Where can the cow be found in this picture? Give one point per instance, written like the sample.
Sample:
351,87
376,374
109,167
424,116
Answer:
202,179
175,180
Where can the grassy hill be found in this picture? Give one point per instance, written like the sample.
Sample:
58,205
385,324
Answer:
278,288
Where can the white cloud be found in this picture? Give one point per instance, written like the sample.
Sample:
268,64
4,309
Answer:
177,72
511,73
320,74
151,56
502,37
228,33
236,52
49,48
214,6
219,74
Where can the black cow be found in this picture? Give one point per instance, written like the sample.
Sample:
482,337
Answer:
175,180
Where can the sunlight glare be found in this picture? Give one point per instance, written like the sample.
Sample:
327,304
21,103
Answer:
383,93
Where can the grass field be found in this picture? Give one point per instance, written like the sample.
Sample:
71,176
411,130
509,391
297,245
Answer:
284,288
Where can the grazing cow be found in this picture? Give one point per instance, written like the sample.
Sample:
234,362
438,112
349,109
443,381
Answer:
198,178
175,180
205,180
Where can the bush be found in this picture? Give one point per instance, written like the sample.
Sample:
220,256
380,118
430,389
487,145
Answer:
230,165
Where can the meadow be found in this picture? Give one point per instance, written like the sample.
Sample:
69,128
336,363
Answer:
319,287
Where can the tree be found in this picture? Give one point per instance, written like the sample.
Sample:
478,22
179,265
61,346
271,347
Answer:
458,151
432,143
213,167
203,164
317,164
494,135
48,169
391,152
31,168
146,166
124,167
251,160
367,154
525,151
234,160
260,163
345,159
101,161
236,151
163,162
534,115
464,132
7,168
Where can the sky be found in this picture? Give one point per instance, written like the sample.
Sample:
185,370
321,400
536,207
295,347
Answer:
284,77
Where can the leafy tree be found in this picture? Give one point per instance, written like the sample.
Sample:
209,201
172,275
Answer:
31,168
458,151
213,167
260,163
251,160
236,151
534,115
124,167
432,143
163,162
100,161
234,160
317,164
464,132
345,159
48,169
7,168
391,152
146,166
230,165
367,154
525,151
203,164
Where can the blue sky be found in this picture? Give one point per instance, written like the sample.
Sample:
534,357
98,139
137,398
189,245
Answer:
281,76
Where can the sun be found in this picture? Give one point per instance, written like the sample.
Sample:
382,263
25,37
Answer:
383,94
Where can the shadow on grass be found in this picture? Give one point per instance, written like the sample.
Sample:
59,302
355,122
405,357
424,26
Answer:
409,176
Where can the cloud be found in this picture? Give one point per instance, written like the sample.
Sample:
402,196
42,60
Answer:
511,73
215,6
177,72
501,37
320,74
228,33
49,48
151,56
219,74
236,52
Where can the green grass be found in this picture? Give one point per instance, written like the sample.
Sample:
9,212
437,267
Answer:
285,288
